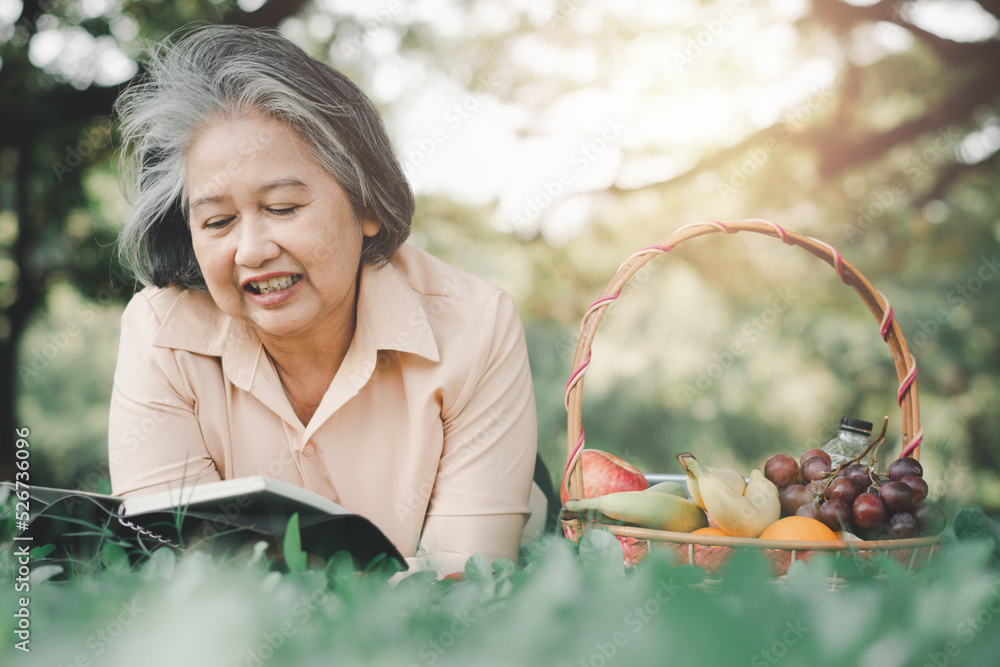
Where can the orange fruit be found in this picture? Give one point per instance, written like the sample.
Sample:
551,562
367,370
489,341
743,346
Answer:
799,528
710,530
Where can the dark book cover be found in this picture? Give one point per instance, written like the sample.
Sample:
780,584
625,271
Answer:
232,512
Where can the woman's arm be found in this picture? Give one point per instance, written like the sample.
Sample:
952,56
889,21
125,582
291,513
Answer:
154,439
480,499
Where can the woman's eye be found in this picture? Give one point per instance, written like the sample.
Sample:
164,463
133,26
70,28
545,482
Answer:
283,210
217,223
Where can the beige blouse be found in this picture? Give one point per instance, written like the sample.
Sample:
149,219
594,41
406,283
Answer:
428,428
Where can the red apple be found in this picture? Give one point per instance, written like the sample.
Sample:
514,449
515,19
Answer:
605,473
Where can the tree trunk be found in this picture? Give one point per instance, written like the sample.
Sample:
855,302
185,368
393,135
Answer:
8,418
29,293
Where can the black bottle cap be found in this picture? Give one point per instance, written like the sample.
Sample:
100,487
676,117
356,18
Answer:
856,425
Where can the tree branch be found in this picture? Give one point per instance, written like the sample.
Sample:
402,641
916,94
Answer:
843,18
712,161
951,173
849,91
837,153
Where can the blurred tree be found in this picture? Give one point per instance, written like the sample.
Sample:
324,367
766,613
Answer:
60,72
946,83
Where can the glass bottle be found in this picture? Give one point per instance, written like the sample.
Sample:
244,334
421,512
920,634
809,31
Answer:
851,440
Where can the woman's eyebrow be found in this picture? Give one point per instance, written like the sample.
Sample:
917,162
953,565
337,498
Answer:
290,182
262,190
205,201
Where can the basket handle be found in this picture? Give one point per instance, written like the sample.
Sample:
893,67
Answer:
878,305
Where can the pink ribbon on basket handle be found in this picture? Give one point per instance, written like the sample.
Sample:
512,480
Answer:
904,387
887,317
885,326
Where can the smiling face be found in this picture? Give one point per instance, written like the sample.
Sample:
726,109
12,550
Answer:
274,234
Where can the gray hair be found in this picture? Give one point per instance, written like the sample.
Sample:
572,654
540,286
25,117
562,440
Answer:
231,71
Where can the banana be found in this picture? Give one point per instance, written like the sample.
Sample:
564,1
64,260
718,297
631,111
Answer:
648,509
744,514
670,487
732,478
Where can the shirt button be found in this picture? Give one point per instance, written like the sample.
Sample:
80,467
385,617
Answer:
308,450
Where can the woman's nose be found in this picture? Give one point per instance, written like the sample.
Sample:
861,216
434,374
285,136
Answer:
255,243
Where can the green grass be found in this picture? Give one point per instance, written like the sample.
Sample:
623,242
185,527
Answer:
565,606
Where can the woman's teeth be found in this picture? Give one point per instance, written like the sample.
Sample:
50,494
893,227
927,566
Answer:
272,284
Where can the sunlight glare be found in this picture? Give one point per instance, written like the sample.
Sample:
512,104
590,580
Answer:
872,42
566,220
250,6
980,145
958,20
111,64
124,27
321,27
45,47
76,56
92,9
10,11
468,145
447,19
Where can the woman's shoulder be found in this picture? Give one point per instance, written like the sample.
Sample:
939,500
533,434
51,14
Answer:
153,301
430,276
454,303
162,314
148,307
157,303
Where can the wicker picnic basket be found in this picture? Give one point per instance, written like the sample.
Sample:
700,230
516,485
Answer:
709,552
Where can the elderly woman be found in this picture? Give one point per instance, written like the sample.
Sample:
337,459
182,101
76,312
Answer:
286,330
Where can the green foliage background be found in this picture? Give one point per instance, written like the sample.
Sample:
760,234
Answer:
892,158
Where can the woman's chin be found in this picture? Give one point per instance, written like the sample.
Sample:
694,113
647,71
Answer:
277,328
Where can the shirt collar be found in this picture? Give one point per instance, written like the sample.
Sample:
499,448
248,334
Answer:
390,317
389,310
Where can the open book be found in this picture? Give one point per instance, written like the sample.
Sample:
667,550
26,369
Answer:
236,509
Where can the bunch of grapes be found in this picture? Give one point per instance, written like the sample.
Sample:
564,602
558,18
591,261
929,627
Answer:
856,498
